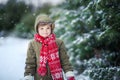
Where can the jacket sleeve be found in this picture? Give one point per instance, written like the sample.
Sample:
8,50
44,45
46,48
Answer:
30,67
64,58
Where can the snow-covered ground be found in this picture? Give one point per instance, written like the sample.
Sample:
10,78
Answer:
12,59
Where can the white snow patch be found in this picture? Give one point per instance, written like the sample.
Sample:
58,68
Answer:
12,58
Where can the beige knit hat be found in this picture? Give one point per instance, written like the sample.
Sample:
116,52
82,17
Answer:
43,18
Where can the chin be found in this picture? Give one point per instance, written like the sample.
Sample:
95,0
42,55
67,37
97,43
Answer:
45,36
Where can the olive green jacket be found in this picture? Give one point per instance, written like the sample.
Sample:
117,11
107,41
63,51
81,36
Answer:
32,60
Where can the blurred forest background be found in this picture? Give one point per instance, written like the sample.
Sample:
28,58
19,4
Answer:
89,28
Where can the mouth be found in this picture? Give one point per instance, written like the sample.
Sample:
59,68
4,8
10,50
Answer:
45,33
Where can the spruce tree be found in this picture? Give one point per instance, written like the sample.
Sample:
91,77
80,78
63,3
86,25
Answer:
91,31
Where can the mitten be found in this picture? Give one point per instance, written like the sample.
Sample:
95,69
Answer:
70,75
71,78
29,77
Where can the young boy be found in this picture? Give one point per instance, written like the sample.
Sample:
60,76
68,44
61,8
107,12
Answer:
46,55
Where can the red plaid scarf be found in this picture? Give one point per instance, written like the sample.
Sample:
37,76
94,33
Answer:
49,53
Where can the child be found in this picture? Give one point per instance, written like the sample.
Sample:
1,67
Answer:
46,55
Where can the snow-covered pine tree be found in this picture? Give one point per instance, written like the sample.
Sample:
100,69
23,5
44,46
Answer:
91,31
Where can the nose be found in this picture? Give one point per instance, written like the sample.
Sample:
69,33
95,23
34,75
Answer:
45,30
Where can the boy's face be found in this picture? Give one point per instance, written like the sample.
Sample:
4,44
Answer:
44,30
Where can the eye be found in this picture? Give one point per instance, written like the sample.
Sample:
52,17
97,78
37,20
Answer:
41,28
48,27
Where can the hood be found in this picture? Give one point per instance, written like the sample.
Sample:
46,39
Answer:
43,18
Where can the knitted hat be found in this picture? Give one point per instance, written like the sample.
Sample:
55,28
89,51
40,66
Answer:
43,18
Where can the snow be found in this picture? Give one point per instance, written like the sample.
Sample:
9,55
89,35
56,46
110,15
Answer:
82,77
12,58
